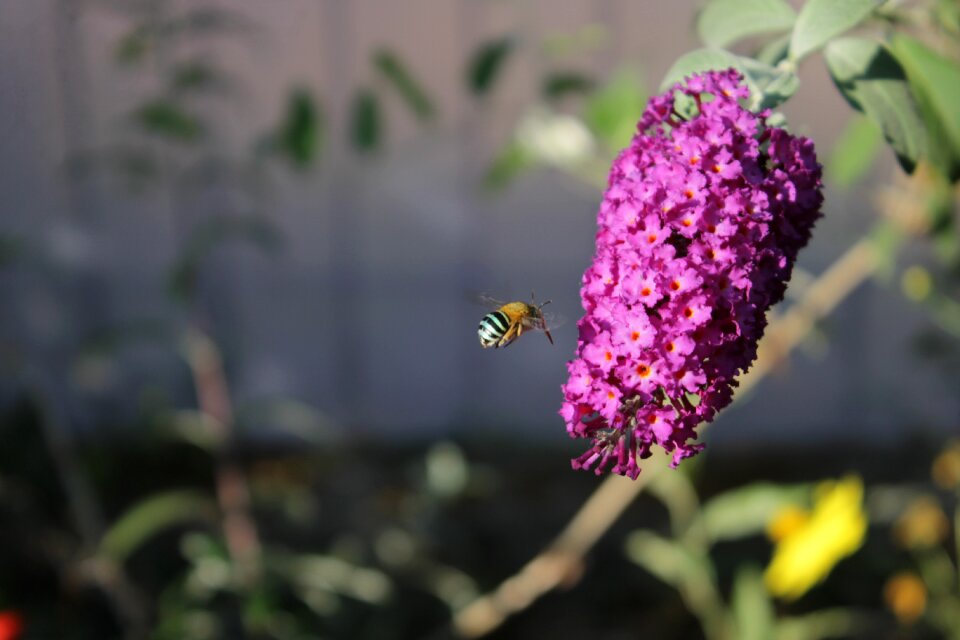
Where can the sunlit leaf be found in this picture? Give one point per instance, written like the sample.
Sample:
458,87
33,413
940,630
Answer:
774,51
152,515
936,84
746,511
613,110
300,133
698,61
366,126
722,22
167,119
486,64
873,82
769,86
561,84
854,152
822,20
400,78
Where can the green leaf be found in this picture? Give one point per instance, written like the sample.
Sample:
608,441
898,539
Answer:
299,135
774,51
152,515
936,84
667,560
194,75
873,82
823,624
167,119
366,126
854,152
697,61
560,84
486,64
512,160
399,77
132,47
612,111
769,86
746,511
822,20
752,610
723,22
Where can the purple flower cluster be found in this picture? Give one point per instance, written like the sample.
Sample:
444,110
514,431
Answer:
698,232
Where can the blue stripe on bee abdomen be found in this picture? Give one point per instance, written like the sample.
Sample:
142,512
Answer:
493,326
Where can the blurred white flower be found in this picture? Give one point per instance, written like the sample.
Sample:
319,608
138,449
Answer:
555,138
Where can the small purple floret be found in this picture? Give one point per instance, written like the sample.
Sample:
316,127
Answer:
697,235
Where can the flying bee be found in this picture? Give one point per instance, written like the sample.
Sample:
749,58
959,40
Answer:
502,326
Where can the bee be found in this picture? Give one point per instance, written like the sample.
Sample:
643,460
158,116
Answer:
502,326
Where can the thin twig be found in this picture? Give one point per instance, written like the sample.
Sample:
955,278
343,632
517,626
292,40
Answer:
125,599
561,561
233,494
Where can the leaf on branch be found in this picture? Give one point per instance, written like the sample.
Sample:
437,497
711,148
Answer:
752,610
769,86
299,137
400,78
152,515
746,511
560,84
487,63
366,126
723,22
822,20
873,82
167,119
935,81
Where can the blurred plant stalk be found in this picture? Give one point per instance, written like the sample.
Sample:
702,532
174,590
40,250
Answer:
232,488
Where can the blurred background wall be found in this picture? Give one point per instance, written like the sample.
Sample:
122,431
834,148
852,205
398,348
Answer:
363,310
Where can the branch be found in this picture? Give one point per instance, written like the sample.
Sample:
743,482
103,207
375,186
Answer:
560,563
233,494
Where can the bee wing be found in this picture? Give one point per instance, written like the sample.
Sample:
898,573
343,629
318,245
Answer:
487,301
550,321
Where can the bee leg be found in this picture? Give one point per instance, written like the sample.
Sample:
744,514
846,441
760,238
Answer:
508,336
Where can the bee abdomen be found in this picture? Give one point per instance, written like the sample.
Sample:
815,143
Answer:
492,328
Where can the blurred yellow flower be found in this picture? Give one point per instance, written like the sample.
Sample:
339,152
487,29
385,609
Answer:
922,524
905,595
786,522
834,530
946,468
